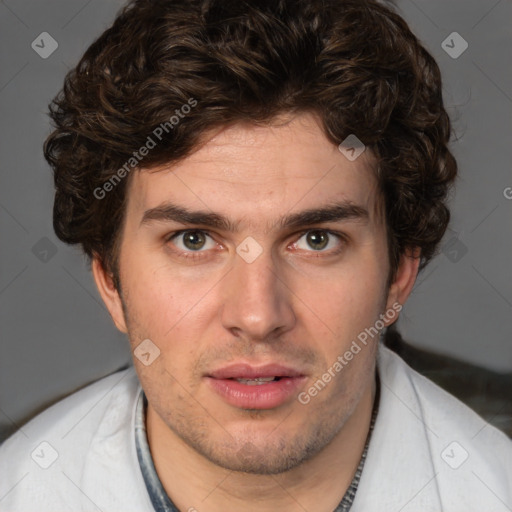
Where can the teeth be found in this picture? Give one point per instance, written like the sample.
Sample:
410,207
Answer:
258,381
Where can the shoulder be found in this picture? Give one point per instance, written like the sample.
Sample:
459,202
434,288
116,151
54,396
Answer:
468,455
78,410
54,457
443,408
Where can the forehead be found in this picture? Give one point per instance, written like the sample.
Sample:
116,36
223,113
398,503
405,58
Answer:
244,169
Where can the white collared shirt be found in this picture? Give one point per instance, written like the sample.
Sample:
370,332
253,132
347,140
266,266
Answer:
428,452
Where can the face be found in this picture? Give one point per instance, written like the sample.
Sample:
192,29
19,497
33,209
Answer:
252,266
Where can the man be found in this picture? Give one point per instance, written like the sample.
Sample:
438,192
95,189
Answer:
257,186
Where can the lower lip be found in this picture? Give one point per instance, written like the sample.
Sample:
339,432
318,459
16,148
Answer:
260,396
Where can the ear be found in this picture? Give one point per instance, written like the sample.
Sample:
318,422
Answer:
109,294
404,279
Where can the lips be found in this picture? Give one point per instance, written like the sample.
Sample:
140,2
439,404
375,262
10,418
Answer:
256,387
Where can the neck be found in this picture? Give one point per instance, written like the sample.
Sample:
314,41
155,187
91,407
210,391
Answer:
195,484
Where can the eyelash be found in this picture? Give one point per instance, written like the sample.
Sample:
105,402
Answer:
194,255
190,255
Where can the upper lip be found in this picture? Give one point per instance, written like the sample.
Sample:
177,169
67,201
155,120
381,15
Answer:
248,371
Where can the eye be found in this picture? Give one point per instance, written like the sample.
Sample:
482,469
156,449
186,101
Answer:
318,240
192,240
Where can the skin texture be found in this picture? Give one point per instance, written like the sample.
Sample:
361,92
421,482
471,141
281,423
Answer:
295,304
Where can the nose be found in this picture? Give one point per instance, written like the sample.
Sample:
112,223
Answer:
257,304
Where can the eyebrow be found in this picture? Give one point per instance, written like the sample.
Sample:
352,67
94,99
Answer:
169,212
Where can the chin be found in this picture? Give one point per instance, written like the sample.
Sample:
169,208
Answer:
264,455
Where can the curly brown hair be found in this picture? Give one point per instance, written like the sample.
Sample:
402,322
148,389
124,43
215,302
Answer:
354,63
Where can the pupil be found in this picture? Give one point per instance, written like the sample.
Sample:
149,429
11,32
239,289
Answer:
194,240
317,239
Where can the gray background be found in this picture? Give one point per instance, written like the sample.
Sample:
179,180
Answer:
55,333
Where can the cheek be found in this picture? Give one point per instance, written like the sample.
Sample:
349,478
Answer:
173,310
349,299
158,295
